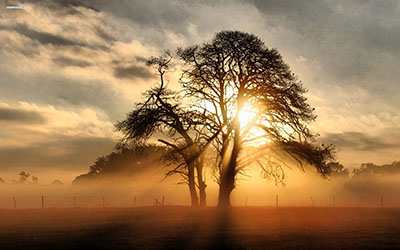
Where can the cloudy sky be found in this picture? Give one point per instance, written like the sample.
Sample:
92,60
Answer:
70,69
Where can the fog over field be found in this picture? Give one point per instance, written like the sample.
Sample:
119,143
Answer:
302,189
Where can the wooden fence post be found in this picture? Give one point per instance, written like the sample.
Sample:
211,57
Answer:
15,203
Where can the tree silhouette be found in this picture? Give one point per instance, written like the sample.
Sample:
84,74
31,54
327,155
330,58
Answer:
23,177
126,160
162,112
371,169
337,170
236,73
35,179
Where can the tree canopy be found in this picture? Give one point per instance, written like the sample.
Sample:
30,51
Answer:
234,73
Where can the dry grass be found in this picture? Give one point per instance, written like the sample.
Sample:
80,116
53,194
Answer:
186,228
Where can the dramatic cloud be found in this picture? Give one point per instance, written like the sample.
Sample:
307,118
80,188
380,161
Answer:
69,69
44,37
132,72
360,141
61,152
21,116
66,61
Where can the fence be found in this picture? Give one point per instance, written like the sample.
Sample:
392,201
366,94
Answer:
103,201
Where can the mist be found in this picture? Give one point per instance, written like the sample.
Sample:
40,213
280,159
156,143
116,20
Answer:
300,189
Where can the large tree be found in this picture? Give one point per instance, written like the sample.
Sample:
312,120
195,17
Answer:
162,111
246,91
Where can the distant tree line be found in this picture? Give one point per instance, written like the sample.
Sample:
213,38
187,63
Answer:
124,160
27,178
371,169
337,170
24,178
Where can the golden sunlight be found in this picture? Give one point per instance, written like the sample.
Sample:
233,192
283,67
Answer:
248,115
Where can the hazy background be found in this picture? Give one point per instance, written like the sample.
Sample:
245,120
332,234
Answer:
70,69
301,190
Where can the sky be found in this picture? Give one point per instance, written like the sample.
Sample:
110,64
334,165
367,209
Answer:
69,70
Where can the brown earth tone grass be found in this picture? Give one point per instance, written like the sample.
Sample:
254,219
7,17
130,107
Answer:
209,228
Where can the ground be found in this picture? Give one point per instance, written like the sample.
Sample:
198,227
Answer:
209,228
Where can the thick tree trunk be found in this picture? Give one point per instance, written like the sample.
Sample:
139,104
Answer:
228,175
224,195
227,183
192,186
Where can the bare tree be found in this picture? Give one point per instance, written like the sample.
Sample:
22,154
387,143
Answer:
236,73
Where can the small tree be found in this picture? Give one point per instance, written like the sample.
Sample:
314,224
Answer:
23,177
236,75
35,179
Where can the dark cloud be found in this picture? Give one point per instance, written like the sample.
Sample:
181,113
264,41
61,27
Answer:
57,4
67,153
61,91
44,37
359,141
66,61
354,42
148,13
141,59
131,72
21,116
100,32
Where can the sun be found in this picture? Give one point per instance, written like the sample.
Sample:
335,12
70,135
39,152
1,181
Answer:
248,118
247,115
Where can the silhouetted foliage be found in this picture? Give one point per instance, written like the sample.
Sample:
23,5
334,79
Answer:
125,161
163,113
35,179
236,69
370,169
337,170
23,177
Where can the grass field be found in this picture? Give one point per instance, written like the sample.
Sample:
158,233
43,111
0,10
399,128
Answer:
186,228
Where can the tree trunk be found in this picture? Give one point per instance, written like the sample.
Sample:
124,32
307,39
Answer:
192,186
200,180
224,195
227,183
228,175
